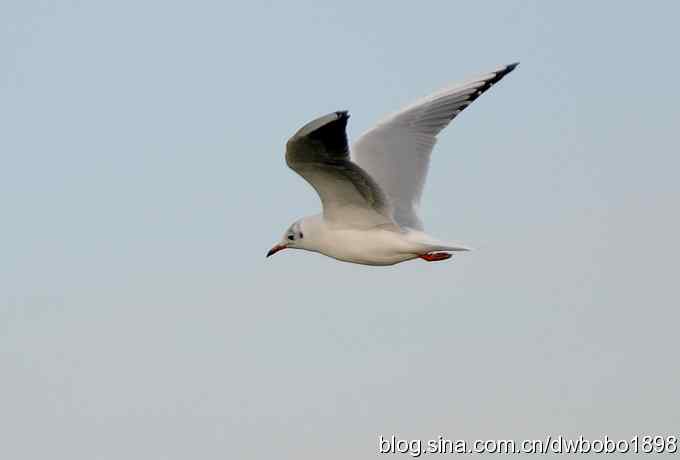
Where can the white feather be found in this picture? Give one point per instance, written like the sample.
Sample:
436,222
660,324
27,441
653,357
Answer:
396,152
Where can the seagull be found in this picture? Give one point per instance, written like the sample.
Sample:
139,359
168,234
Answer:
371,196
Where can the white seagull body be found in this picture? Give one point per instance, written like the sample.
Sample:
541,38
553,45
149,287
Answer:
370,201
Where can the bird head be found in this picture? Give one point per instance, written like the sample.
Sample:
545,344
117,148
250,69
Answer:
292,238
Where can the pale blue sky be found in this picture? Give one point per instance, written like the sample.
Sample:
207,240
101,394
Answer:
143,180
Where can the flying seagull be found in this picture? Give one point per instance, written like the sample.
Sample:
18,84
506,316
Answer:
371,197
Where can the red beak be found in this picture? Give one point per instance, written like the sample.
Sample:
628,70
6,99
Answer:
275,249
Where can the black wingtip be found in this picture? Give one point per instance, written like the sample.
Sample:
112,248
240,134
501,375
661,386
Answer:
499,74
504,71
496,76
333,134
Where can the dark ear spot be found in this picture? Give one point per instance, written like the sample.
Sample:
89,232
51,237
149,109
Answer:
301,235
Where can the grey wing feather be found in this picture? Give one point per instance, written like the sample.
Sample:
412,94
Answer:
319,152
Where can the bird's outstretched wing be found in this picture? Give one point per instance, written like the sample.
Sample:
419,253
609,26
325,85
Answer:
320,154
396,152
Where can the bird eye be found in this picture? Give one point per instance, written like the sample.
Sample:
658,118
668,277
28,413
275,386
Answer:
291,237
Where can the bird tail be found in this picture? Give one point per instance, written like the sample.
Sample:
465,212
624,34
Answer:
450,247
433,244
